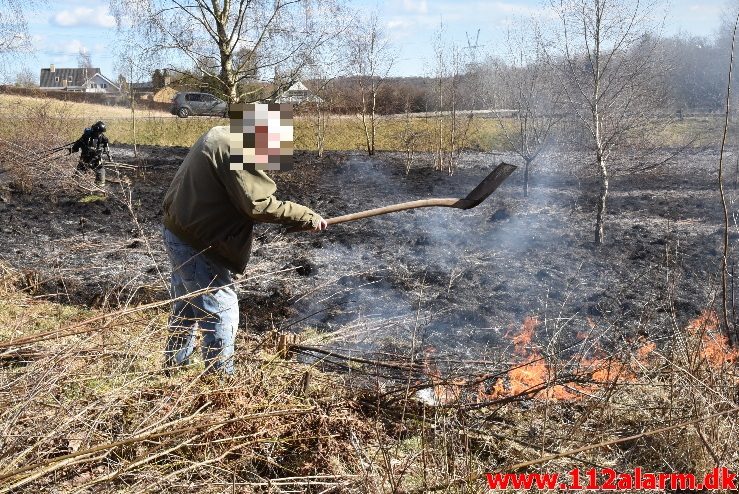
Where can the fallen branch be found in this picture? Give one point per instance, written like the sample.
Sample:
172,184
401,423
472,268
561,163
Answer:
61,461
544,459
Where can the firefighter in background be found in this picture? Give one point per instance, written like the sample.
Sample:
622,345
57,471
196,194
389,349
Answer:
93,144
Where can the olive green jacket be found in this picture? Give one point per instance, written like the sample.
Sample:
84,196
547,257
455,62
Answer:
214,208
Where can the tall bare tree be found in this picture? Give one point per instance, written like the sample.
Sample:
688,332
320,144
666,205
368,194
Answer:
232,41
455,74
84,59
330,61
130,66
84,62
26,78
441,74
134,64
371,60
527,86
605,55
14,36
321,104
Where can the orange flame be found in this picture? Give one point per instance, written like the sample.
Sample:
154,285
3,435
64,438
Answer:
522,340
534,375
714,345
443,392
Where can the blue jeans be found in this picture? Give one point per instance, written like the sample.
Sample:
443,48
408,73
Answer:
215,312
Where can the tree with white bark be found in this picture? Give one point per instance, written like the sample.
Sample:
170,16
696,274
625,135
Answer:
232,42
371,59
14,36
606,56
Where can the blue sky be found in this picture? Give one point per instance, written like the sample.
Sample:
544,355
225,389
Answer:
64,27
412,23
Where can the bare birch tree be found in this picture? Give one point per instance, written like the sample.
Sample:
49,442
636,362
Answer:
604,52
451,68
233,41
321,104
132,68
84,59
371,61
454,124
527,86
331,60
134,63
441,73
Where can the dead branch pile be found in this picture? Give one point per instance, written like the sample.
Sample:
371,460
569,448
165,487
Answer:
87,410
32,150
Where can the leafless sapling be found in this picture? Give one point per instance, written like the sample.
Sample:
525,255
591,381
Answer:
527,87
605,57
371,60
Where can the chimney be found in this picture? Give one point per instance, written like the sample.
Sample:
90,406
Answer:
52,69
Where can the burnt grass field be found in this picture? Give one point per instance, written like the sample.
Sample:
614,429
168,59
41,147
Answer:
431,279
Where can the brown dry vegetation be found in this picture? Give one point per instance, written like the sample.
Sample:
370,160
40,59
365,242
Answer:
85,406
63,122
93,411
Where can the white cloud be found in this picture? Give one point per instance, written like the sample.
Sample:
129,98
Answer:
65,48
83,16
512,8
705,9
416,6
477,11
73,47
398,24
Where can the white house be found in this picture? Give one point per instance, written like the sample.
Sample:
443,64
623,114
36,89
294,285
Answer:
84,80
296,94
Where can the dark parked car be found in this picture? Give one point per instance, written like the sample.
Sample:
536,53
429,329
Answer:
186,104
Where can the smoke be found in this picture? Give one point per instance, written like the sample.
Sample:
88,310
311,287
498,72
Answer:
431,275
461,281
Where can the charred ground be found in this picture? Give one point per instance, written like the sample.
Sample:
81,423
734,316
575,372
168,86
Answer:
429,278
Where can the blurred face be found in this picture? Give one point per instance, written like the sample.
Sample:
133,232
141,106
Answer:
261,136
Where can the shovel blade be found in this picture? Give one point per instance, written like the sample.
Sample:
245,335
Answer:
489,184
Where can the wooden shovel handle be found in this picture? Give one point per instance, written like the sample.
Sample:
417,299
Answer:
422,203
478,194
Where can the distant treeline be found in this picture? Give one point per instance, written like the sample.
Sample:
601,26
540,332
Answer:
694,74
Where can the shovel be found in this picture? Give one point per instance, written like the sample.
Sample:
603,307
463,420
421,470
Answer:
478,194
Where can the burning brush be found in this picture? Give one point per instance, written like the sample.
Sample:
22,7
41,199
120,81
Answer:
535,378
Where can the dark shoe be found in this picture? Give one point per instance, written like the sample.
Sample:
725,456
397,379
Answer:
100,177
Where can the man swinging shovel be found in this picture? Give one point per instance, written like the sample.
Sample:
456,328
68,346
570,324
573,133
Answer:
219,192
